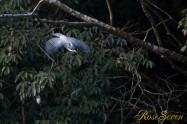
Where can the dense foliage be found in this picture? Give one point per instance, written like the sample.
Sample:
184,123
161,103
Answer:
183,25
73,88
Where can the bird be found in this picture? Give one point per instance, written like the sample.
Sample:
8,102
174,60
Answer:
62,41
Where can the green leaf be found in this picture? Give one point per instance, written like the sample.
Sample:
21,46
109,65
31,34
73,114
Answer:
184,48
1,96
76,92
33,87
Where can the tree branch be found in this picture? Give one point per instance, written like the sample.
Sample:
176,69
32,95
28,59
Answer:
175,67
16,15
110,12
23,114
164,23
151,20
74,24
130,39
89,21
37,7
158,8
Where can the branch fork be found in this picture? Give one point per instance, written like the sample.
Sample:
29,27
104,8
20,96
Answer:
89,21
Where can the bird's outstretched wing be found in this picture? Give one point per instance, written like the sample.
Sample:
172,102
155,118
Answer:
79,45
53,44
71,44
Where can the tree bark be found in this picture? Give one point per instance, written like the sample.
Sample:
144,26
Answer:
89,21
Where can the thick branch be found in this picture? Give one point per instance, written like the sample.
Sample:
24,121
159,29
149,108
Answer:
130,39
175,67
117,32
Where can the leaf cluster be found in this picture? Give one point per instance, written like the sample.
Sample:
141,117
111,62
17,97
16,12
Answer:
74,88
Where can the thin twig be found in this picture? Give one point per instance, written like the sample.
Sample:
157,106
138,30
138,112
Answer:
23,114
110,12
122,101
164,23
160,9
37,7
45,53
85,24
15,15
151,20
